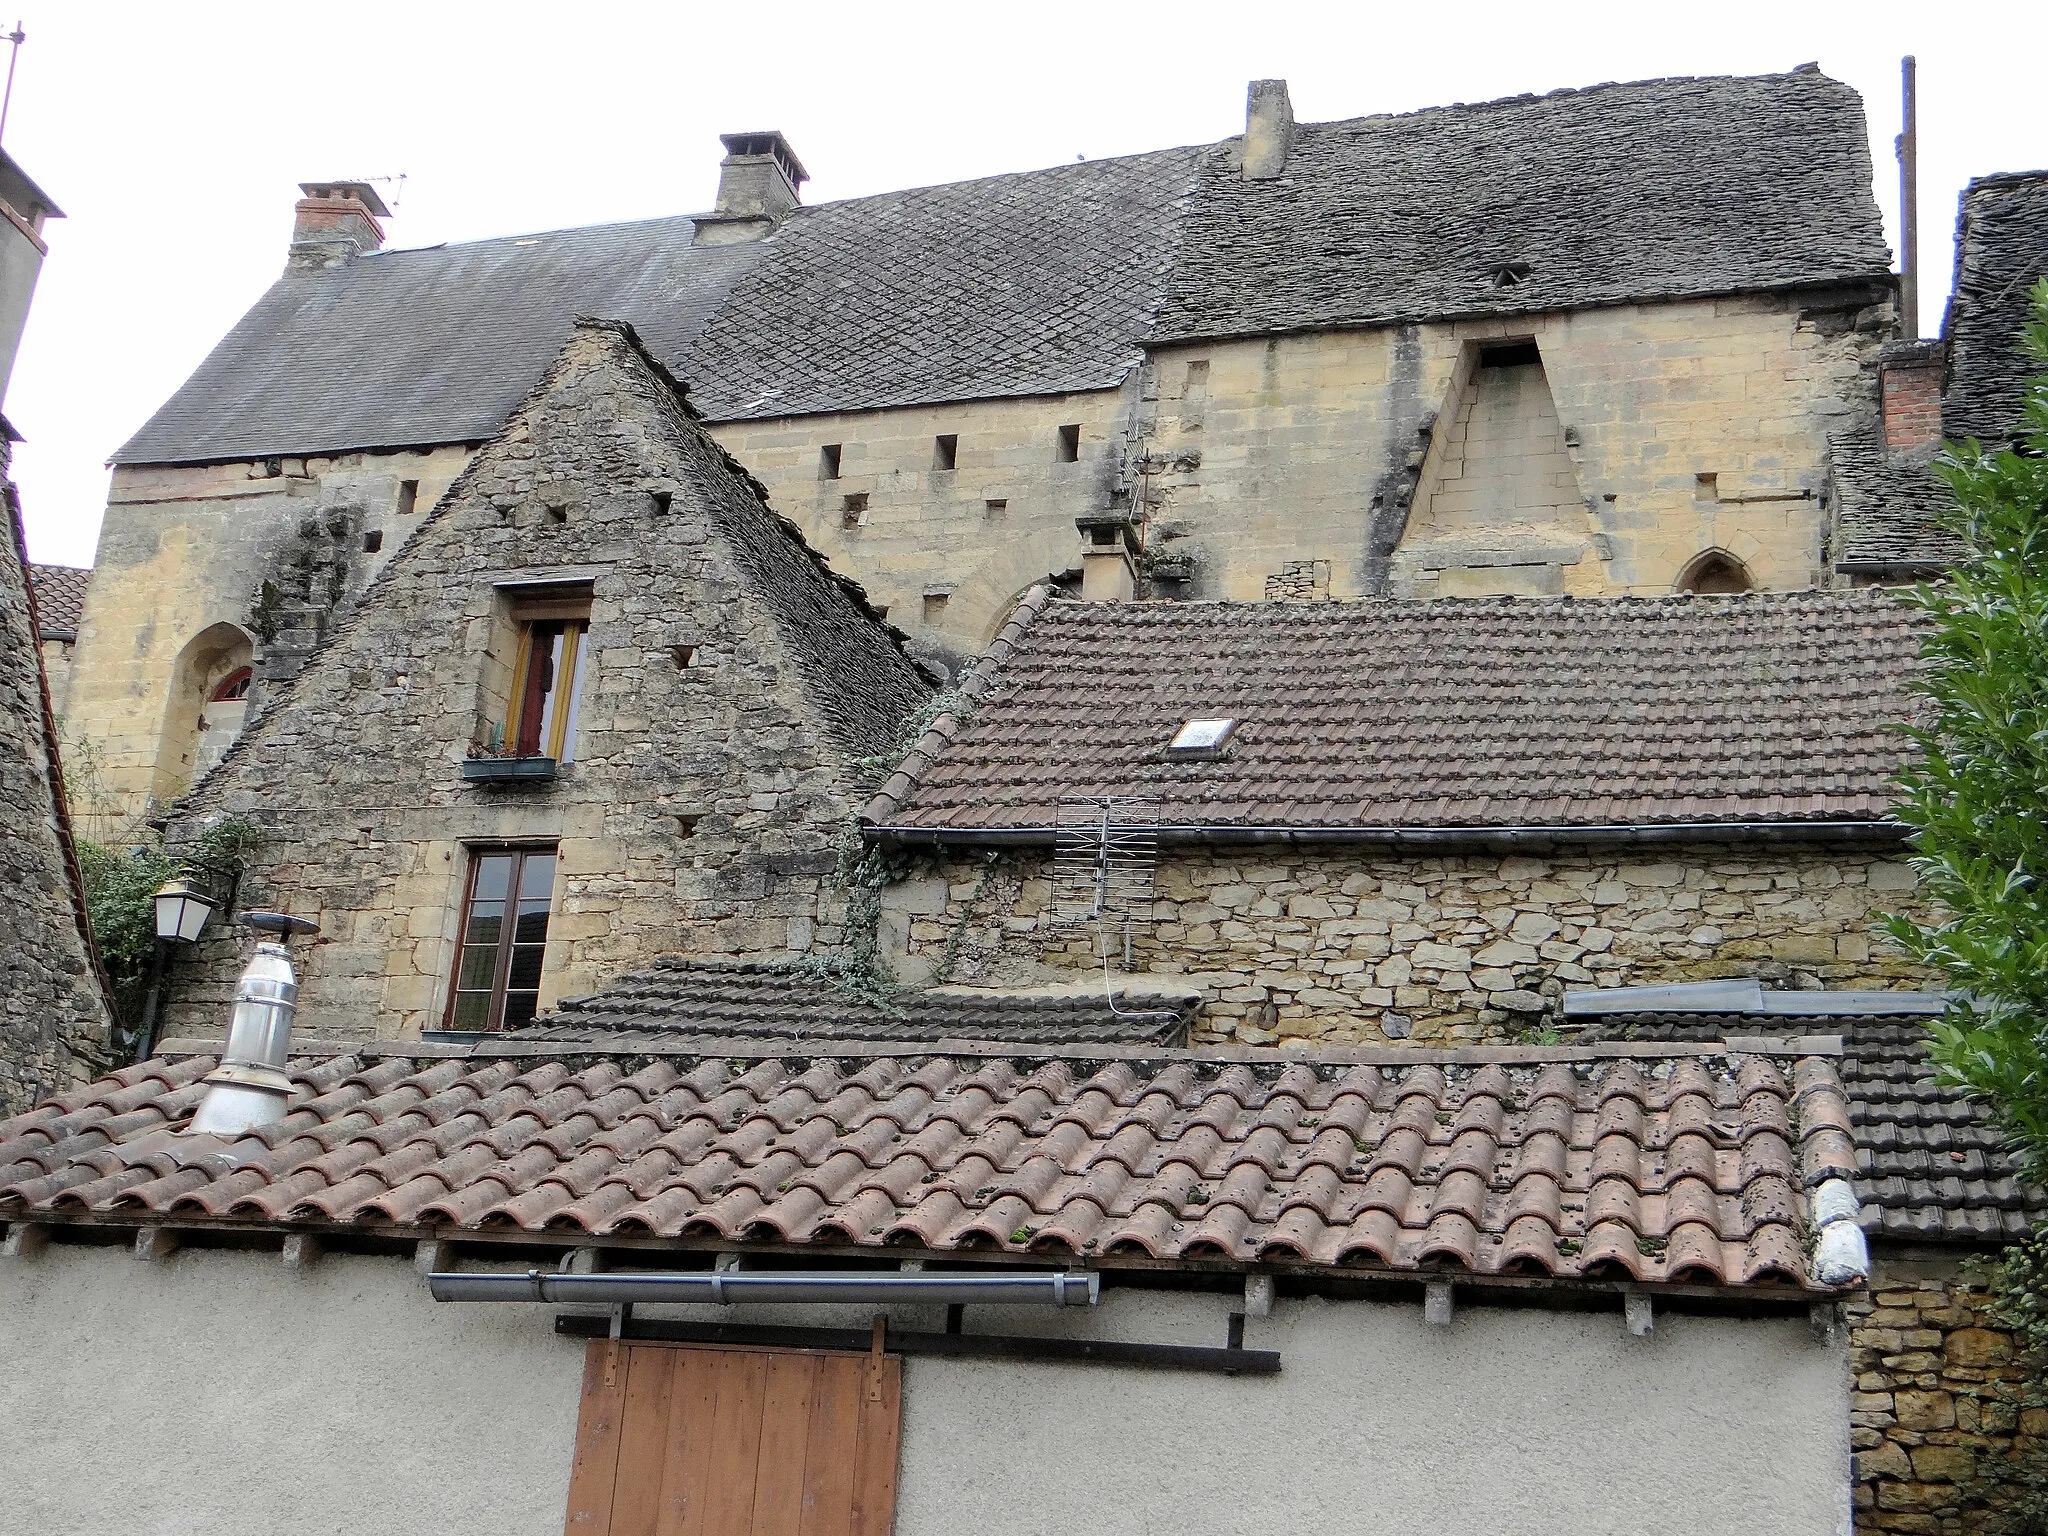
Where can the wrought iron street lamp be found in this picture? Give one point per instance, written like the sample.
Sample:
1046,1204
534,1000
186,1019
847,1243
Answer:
181,914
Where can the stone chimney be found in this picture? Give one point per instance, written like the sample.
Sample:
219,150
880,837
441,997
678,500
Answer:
1909,380
1108,541
758,184
1268,129
334,223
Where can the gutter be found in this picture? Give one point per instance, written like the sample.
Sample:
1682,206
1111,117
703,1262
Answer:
1623,834
726,1287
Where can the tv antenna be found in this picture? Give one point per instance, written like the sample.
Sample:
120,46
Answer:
395,183
1105,858
17,37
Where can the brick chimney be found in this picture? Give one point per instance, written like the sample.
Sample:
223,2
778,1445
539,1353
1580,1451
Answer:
334,223
1268,129
1909,381
758,184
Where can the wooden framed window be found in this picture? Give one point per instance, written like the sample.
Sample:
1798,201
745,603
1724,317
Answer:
547,676
735,1442
231,688
505,908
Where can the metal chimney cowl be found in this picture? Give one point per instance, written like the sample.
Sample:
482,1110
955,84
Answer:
250,1087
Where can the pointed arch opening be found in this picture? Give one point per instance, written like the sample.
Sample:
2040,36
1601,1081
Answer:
1715,573
208,700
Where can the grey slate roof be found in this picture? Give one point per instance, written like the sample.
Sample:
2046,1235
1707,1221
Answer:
1885,506
1379,717
1930,1165
1033,284
1052,281
1655,189
723,999
60,597
2001,252
430,346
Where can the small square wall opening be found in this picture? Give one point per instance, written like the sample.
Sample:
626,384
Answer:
683,656
663,500
946,450
853,510
935,607
1706,487
1070,444
828,462
373,541
995,508
408,497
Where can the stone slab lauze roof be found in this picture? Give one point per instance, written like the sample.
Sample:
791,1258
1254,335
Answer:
2001,253
1930,1163
1885,506
60,597
1655,189
680,998
1380,717
1652,1163
1052,281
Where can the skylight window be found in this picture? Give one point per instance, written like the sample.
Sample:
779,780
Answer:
1202,737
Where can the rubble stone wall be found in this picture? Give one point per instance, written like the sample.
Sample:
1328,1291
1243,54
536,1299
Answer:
1939,1408
1357,946
706,800
53,1014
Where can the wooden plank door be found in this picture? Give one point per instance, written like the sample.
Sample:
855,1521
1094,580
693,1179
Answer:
683,1440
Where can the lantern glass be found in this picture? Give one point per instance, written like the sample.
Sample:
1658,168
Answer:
181,913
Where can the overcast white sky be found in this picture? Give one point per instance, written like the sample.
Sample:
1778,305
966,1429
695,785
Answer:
175,136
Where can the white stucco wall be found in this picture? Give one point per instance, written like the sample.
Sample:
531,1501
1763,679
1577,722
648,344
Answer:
219,1393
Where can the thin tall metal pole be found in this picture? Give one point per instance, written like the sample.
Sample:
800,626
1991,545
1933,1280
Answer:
16,37
1909,200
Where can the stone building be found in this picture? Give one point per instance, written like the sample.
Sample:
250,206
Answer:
1963,384
1423,820
55,1015
1312,359
602,704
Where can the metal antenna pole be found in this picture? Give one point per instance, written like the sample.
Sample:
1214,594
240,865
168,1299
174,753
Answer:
16,37
1909,198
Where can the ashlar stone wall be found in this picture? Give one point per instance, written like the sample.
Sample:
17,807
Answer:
1686,427
710,786
1942,1416
187,549
1343,946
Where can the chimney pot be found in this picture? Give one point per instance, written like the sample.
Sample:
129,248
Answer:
1268,129
758,184
334,223
250,1087
1909,382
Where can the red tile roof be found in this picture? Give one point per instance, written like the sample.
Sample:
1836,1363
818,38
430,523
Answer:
60,596
1657,1162
1380,715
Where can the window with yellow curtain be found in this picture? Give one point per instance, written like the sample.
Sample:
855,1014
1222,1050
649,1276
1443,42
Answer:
547,678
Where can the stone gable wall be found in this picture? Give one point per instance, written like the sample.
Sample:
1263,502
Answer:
53,1015
1939,1406
706,802
1357,946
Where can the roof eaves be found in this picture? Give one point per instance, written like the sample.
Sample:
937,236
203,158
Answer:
1611,834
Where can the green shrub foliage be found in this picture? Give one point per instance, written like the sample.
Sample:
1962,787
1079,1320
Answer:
1977,796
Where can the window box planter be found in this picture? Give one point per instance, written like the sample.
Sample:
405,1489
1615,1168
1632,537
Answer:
507,770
